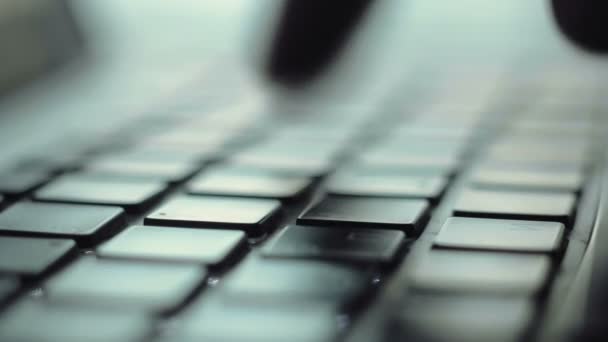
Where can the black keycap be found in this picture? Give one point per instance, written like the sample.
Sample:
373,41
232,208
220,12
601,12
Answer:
354,245
86,224
31,257
125,284
225,320
264,184
369,212
132,196
140,170
464,318
206,246
516,205
15,183
270,280
495,234
8,286
29,321
250,214
529,179
480,272
386,185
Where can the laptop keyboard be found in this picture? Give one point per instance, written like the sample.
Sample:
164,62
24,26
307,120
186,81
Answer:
235,226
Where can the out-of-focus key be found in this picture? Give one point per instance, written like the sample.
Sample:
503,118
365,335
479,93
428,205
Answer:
529,179
286,162
464,318
225,320
433,164
369,212
205,246
249,214
38,322
353,245
30,257
538,153
138,170
132,196
87,224
386,185
251,184
516,205
269,280
494,234
479,272
125,284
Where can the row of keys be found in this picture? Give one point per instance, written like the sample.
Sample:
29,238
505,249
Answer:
508,221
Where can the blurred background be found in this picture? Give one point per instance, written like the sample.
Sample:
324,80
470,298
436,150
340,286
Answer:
126,57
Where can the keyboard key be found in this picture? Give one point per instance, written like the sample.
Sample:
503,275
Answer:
516,205
494,234
87,224
531,153
371,212
30,257
125,284
436,164
479,272
132,196
464,318
420,146
386,185
529,179
269,280
224,320
30,321
251,184
354,245
16,183
206,246
138,170
249,214
286,162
